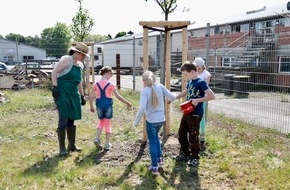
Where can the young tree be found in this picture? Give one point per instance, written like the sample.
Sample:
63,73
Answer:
167,6
82,23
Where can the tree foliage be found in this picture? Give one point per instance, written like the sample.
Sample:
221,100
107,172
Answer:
120,34
33,41
82,23
56,40
167,6
15,37
29,40
96,38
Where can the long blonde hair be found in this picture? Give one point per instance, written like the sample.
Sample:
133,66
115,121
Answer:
149,78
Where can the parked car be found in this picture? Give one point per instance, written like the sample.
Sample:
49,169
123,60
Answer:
31,65
3,67
175,68
176,86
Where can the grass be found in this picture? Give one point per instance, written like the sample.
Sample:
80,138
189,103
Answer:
284,97
238,155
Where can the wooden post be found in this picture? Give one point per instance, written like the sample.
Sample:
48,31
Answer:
87,78
145,49
184,56
145,67
118,77
93,64
167,83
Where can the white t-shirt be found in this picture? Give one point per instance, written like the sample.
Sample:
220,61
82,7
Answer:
205,74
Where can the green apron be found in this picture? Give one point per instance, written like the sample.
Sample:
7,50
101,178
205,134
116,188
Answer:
69,102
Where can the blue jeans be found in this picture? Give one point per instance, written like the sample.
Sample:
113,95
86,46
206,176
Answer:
105,112
154,142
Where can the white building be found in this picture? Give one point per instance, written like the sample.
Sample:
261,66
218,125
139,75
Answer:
12,52
261,21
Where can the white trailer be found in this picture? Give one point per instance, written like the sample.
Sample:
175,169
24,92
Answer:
105,55
98,57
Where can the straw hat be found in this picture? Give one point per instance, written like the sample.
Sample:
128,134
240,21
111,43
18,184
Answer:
82,48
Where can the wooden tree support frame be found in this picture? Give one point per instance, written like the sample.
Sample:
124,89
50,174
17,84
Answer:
166,27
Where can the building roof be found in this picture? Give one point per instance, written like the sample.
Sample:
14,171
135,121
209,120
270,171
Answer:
251,15
262,13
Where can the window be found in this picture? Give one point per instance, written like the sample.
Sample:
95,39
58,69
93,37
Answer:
27,58
96,57
245,27
252,25
2,68
269,23
227,61
284,66
237,28
99,49
216,29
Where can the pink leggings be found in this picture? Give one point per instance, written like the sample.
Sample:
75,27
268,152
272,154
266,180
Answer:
105,123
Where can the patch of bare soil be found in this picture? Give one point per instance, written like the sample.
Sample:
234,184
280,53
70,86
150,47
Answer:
126,152
123,152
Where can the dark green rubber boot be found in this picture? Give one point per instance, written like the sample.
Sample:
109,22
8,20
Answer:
71,135
61,141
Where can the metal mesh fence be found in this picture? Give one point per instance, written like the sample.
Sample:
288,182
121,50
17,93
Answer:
250,73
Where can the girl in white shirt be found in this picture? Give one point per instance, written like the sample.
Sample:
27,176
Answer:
152,105
205,75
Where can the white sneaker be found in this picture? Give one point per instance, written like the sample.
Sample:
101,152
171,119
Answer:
98,144
108,147
193,162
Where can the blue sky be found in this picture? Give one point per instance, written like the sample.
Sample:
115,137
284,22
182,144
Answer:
30,17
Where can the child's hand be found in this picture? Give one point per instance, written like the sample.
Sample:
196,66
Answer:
129,104
168,101
194,102
92,110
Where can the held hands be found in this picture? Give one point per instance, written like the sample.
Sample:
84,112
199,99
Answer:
83,101
168,101
92,109
55,94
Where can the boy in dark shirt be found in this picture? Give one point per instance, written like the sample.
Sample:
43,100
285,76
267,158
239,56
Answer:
197,91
